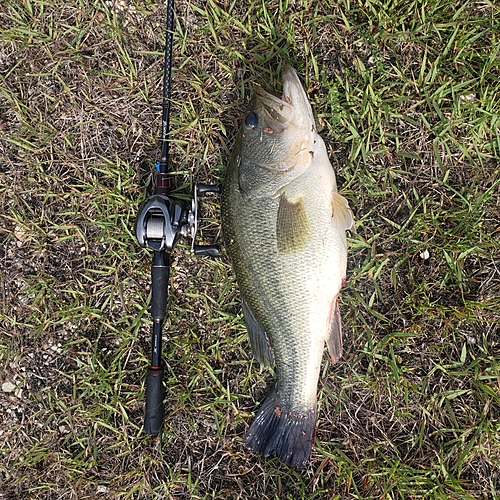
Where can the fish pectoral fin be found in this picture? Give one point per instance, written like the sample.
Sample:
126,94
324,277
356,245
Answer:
293,227
341,213
261,347
334,339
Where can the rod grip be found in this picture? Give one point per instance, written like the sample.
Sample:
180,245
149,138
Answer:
153,417
159,283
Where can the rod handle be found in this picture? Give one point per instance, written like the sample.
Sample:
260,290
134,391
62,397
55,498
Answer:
153,417
159,282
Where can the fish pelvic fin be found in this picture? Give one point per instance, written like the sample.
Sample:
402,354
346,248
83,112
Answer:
288,433
341,213
334,339
261,347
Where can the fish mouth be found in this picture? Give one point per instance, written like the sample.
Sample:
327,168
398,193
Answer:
277,113
294,93
293,107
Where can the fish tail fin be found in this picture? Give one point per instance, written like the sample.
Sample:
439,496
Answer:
287,432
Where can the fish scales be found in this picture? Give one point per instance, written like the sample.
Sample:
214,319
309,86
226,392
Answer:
284,226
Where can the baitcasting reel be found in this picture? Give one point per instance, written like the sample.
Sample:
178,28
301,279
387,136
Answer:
162,221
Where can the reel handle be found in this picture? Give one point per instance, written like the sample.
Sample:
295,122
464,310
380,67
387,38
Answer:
206,250
202,250
208,188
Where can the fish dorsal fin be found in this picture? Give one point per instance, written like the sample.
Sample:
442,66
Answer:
261,347
334,338
341,213
293,227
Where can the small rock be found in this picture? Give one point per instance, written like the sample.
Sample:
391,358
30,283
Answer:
468,99
20,233
8,386
425,254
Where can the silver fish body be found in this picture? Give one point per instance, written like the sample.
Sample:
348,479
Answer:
284,226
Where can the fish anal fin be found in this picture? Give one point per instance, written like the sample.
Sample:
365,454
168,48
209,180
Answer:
287,432
293,227
261,347
341,213
334,338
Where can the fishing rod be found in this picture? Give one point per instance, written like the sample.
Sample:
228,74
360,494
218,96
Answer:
160,223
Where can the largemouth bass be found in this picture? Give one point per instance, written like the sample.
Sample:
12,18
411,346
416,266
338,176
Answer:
284,226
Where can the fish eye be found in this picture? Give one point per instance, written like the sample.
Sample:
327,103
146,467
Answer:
251,121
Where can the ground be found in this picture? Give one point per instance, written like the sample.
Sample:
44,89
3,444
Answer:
407,97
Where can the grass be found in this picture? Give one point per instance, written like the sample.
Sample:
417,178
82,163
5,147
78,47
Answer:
407,95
